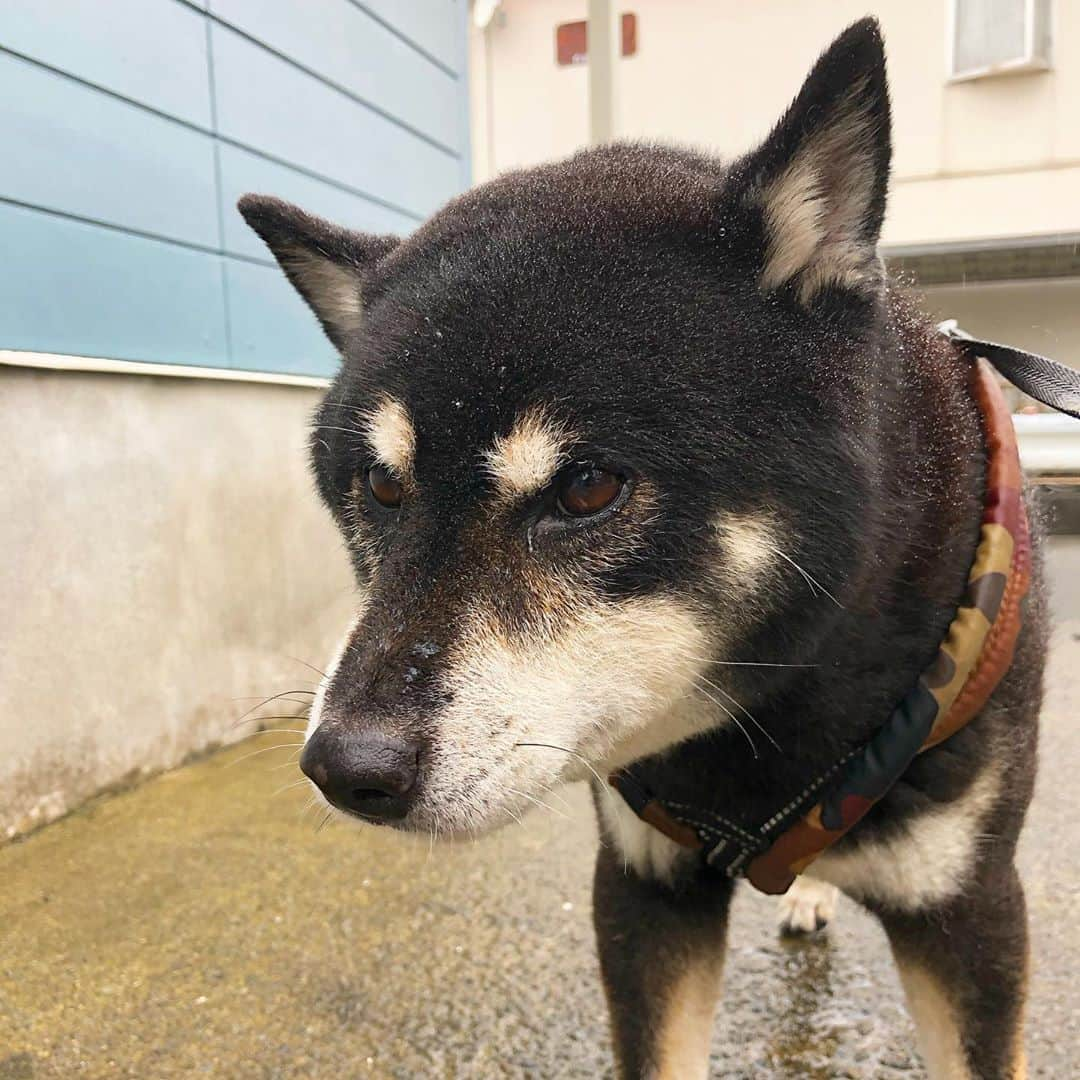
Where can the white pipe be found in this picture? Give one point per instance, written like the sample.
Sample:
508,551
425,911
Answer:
103,365
601,72
1049,442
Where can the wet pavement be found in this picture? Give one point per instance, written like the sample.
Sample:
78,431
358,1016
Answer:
201,926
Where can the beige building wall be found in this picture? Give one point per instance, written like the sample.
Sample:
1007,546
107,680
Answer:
166,558
989,157
981,163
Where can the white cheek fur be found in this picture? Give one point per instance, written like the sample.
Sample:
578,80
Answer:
616,681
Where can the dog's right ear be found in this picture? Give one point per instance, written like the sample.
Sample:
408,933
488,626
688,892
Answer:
814,190
326,264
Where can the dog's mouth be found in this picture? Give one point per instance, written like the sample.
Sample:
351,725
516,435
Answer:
453,798
441,800
365,819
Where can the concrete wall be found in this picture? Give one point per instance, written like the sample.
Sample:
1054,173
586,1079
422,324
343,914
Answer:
164,557
163,553
994,157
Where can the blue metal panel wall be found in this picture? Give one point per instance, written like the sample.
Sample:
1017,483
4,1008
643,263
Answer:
130,128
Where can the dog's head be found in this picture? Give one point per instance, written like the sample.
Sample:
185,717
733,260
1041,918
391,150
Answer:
596,435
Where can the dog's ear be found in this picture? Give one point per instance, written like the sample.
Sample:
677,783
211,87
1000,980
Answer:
326,263
815,189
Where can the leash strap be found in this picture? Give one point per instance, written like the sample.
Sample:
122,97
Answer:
1037,376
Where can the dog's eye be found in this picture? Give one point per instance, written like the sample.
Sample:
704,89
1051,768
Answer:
385,489
587,490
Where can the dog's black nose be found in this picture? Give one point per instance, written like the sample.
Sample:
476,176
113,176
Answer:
363,772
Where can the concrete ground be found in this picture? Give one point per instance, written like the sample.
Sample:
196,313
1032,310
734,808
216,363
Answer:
202,925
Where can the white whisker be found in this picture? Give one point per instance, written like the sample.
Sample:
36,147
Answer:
538,802
810,580
749,715
264,750
604,786
290,786
734,719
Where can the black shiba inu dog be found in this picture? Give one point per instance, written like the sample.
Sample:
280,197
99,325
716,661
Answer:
642,461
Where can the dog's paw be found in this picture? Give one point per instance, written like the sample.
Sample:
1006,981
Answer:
806,907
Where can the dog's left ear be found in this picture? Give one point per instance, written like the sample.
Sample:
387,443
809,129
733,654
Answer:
815,189
326,263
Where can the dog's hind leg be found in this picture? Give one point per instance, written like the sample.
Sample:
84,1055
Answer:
661,956
964,970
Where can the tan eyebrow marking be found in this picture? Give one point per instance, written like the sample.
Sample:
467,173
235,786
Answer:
749,544
524,461
389,432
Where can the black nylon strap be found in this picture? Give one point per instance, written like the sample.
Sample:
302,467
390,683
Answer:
1037,376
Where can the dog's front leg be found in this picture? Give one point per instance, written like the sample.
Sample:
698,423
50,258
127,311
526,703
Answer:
661,956
964,970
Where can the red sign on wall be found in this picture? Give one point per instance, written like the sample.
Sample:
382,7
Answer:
572,40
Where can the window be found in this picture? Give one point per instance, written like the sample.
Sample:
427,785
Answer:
999,37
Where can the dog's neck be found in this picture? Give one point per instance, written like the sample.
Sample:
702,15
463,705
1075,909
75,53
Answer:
910,570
